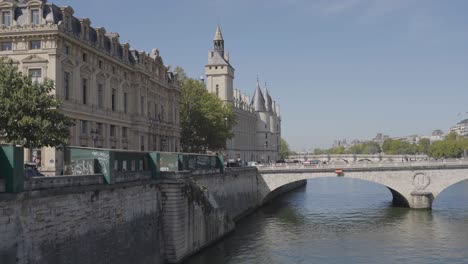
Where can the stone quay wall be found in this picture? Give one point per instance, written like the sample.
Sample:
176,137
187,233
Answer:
242,190
82,224
81,219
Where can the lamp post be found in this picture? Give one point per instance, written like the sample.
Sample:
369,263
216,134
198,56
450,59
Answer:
94,136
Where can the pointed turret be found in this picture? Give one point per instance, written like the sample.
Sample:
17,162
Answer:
258,101
268,101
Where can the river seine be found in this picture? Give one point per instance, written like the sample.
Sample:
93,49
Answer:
339,220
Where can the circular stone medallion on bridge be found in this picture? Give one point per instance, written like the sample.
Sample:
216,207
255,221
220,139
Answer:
421,181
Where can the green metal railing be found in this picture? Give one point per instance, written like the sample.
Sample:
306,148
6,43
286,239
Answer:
108,162
86,161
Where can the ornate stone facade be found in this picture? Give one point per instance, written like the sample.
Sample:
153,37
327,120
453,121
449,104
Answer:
257,135
120,98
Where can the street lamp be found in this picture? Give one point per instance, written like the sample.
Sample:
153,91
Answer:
94,136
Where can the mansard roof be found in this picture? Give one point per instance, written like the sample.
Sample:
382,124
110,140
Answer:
53,14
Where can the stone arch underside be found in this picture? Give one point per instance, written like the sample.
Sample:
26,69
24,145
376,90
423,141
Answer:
275,182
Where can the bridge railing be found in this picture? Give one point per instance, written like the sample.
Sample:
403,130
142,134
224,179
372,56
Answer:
365,165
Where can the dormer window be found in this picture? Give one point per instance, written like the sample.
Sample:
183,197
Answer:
6,18
35,17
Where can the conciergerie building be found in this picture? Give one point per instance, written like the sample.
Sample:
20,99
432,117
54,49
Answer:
120,98
257,134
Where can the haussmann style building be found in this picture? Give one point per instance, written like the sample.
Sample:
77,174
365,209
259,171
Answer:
257,135
120,98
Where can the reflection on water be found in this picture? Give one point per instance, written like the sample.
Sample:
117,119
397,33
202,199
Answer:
337,220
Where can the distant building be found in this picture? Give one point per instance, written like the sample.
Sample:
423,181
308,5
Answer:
257,134
461,128
120,98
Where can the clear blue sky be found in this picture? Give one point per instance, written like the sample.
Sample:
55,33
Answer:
338,68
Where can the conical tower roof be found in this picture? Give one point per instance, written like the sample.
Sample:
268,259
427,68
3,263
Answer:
268,101
258,101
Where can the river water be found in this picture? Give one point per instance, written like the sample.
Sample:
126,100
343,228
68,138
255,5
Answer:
339,220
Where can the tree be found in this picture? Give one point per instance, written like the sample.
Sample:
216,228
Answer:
29,112
424,145
206,121
452,146
284,152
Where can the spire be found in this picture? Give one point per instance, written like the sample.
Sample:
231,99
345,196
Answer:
218,41
218,34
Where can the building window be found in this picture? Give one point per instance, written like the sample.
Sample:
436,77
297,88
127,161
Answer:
100,95
35,17
142,105
124,132
142,143
113,70
113,99
84,127
125,103
67,49
266,135
35,44
100,64
6,18
6,46
217,90
112,130
66,85
85,90
85,57
36,75
216,67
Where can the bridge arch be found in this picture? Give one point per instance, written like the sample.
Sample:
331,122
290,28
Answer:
279,183
410,186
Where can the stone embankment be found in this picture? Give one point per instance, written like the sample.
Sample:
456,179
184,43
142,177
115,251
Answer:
81,219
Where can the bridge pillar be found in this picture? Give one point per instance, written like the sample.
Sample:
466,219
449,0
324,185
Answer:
421,200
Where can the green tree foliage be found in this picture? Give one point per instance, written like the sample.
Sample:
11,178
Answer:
452,146
285,151
29,114
206,121
365,148
424,145
399,147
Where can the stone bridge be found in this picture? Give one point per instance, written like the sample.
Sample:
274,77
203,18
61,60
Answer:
412,185
356,158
